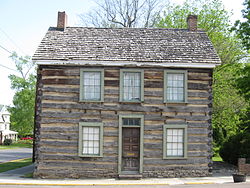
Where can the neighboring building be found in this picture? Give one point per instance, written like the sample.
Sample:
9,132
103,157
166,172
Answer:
5,132
124,102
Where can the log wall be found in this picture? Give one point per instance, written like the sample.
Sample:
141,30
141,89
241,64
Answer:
58,113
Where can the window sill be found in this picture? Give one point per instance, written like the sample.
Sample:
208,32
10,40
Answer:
175,158
91,101
91,156
131,102
175,102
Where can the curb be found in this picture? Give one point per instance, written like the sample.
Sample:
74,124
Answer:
16,160
106,184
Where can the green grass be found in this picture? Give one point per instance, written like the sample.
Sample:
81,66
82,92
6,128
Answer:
18,144
217,158
29,175
15,164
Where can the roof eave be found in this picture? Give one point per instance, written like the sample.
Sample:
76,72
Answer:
127,64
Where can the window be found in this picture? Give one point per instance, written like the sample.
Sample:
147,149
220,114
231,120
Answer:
175,86
131,85
91,85
131,121
90,139
175,142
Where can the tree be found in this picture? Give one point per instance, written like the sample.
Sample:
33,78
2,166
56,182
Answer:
22,113
213,18
243,27
228,105
123,13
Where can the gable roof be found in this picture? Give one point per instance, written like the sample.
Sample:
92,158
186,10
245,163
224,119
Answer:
3,111
127,45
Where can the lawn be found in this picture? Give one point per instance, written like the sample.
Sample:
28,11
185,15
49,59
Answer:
15,164
19,144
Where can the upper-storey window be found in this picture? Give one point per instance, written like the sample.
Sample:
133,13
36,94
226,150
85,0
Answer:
131,85
175,86
91,85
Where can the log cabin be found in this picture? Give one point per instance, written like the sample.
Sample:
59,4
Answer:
124,102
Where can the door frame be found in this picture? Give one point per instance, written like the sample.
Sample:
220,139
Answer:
141,126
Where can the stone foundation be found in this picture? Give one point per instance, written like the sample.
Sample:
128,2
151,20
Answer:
243,166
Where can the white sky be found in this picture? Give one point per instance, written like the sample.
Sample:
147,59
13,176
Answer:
24,23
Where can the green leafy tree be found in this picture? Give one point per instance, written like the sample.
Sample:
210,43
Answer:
243,27
22,112
228,105
213,18
243,84
239,144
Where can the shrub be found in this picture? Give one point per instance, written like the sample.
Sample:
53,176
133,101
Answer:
26,138
28,141
7,142
237,146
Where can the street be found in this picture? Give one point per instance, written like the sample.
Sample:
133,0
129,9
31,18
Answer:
226,185
13,154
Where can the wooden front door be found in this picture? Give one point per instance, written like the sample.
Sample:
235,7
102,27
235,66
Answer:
130,149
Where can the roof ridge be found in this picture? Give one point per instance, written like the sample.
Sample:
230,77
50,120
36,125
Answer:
123,28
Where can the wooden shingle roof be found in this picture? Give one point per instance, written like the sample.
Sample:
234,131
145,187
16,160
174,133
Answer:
127,44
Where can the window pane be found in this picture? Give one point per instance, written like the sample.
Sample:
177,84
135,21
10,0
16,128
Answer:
175,87
91,85
96,151
91,140
131,121
132,86
175,142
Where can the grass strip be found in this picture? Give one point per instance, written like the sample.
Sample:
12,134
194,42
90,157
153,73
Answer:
17,145
15,164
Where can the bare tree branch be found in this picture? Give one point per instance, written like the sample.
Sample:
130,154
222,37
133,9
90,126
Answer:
123,13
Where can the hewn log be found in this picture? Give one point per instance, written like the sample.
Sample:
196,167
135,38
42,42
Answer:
153,84
111,83
59,143
112,74
59,129
61,81
65,136
198,86
61,90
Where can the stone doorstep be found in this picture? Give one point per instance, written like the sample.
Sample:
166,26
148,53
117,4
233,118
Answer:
130,175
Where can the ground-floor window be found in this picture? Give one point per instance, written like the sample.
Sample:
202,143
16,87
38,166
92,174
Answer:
175,141
90,139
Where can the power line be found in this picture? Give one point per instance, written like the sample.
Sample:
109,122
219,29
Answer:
13,42
7,67
5,49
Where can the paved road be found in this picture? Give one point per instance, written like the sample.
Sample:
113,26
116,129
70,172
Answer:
226,185
13,154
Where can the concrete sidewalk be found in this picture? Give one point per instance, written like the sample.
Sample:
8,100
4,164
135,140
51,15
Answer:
16,177
12,180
